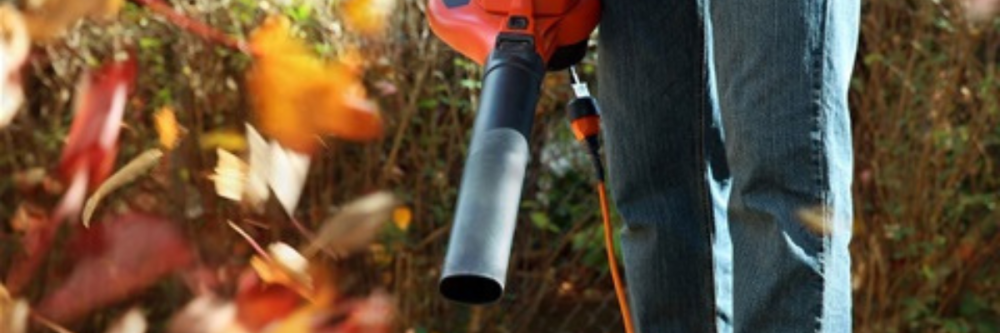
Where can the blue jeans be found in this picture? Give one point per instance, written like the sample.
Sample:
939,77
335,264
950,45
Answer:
729,156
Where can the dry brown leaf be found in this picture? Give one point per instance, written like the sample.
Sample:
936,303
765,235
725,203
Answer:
14,45
354,227
135,168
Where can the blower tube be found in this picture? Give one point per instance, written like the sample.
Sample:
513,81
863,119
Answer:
475,267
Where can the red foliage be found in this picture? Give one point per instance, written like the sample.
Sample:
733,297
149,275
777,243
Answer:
117,258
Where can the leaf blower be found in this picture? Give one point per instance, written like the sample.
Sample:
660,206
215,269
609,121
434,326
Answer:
516,41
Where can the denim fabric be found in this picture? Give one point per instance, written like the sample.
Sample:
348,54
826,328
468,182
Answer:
729,156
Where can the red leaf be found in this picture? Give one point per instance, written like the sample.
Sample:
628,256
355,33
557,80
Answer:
124,256
93,138
260,303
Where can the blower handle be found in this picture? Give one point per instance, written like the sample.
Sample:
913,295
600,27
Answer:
475,267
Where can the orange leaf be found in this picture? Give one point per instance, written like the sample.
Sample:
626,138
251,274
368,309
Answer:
368,17
167,128
298,97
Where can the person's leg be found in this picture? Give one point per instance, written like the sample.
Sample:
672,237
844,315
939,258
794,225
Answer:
666,163
783,70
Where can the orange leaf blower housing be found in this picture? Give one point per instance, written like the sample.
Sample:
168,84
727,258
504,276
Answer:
560,28
515,41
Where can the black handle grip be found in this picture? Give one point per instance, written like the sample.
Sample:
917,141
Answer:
475,267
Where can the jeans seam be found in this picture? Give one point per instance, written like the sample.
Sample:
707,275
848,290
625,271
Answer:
703,189
819,159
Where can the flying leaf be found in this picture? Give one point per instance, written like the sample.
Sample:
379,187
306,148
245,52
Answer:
119,257
225,139
230,176
402,216
14,45
89,155
298,97
135,168
49,19
167,128
369,17
206,314
13,313
256,192
132,321
354,227
259,303
286,266
287,177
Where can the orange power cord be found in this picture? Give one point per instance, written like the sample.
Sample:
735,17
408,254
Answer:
609,245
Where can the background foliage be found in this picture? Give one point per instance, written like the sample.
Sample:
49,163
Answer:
927,134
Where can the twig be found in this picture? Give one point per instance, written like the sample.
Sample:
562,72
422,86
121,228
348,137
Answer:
253,243
193,26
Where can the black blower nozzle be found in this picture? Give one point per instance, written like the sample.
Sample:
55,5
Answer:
475,268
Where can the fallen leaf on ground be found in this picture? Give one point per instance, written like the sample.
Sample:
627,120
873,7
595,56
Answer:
135,168
354,227
298,97
49,19
132,321
119,257
14,46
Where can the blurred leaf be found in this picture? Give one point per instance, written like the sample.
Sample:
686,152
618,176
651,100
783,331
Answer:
230,176
286,266
48,19
354,227
224,139
369,17
206,314
297,97
14,46
13,313
135,168
167,128
541,221
401,217
119,257
132,321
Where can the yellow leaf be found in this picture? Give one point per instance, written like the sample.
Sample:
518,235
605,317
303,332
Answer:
369,17
166,127
225,139
402,216
298,98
